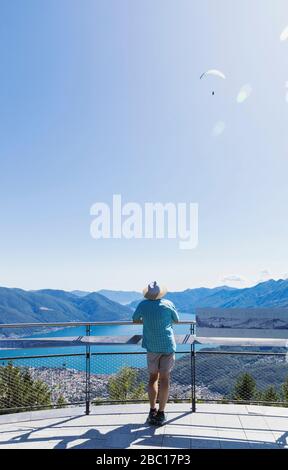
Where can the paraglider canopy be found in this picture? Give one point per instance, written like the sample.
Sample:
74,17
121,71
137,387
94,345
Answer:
215,72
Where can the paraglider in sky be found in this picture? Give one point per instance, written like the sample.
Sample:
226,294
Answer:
213,72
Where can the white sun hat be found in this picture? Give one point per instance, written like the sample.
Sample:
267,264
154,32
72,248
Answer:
154,292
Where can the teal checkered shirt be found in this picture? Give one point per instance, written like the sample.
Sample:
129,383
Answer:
158,317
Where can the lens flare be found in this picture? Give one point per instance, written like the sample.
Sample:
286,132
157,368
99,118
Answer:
284,34
244,93
218,128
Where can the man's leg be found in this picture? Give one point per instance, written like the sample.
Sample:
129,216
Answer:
153,389
163,390
166,364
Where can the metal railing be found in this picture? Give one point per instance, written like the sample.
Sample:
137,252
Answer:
88,324
95,376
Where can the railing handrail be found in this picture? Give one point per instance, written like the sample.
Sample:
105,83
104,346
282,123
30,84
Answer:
69,324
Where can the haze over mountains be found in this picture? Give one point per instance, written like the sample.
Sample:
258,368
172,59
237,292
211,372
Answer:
48,305
120,296
123,297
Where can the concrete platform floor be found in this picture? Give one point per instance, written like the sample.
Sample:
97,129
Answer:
123,426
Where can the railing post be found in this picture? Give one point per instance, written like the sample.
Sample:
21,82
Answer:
88,366
192,328
193,372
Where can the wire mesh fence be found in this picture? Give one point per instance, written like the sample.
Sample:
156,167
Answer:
123,377
42,382
28,383
242,376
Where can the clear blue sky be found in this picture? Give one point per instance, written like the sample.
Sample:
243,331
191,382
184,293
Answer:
104,97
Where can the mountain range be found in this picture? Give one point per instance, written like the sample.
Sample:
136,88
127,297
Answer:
48,305
265,294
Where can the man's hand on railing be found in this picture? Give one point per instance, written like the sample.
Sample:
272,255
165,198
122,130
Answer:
138,321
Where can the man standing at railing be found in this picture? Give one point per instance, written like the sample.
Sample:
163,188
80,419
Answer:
157,315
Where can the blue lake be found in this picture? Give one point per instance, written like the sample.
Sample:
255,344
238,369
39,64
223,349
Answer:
100,363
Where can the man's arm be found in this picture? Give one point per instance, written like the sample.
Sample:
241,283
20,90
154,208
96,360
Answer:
137,315
175,315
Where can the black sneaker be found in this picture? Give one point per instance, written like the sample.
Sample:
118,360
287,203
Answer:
160,419
151,416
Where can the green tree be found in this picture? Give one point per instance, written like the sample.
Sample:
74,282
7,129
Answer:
245,387
97,401
61,402
270,394
285,390
19,390
125,386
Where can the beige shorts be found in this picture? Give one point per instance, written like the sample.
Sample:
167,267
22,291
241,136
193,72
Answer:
158,362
